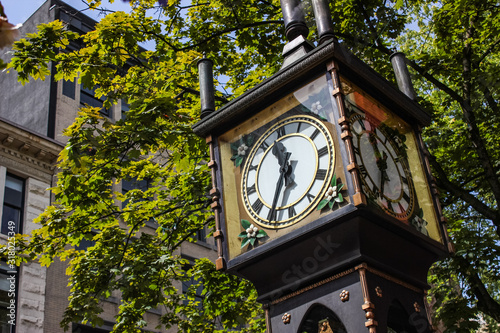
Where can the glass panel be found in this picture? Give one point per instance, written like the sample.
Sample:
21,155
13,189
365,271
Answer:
279,166
202,235
14,183
13,198
125,109
87,97
387,154
68,88
5,300
11,219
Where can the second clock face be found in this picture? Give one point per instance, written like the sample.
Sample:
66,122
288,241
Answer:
383,166
287,171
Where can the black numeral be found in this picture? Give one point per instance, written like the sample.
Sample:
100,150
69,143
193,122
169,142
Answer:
310,197
251,189
356,150
264,145
281,131
320,174
401,208
323,151
362,124
257,206
299,124
291,211
363,171
253,167
315,134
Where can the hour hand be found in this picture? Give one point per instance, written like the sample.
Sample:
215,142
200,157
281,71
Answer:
279,151
283,157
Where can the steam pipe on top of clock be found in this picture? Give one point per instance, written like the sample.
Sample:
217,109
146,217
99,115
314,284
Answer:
402,74
295,22
323,18
207,94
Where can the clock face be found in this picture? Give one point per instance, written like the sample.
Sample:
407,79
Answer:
383,166
287,171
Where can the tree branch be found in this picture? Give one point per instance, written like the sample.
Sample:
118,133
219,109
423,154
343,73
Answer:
229,30
457,191
485,303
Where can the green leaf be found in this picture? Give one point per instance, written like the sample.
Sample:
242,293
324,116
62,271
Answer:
339,198
334,181
245,224
261,234
245,242
238,161
322,204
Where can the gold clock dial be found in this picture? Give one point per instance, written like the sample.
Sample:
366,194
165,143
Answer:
287,171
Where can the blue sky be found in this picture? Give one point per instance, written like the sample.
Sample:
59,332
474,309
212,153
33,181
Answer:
18,11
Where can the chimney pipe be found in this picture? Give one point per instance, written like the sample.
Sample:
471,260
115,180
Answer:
207,95
324,22
402,74
295,22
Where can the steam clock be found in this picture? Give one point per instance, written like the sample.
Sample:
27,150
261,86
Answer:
322,191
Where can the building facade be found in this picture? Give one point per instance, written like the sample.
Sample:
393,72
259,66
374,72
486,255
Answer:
32,119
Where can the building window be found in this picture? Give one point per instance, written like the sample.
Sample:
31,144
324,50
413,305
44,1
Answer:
201,235
134,184
198,292
8,301
68,88
125,109
87,97
13,203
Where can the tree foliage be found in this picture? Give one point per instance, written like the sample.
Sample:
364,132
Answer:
452,47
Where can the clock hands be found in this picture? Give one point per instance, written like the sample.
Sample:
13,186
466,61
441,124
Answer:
279,151
382,165
381,161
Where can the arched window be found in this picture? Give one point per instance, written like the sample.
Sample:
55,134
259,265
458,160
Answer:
318,314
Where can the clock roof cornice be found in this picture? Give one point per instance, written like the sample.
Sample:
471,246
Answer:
305,68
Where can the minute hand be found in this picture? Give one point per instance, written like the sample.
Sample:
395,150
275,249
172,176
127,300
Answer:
279,185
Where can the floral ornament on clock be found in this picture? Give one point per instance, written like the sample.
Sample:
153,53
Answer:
240,149
332,195
251,234
419,223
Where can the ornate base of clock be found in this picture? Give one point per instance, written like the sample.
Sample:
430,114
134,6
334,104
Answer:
358,299
330,247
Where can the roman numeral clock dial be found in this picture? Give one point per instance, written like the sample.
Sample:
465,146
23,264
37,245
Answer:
383,167
287,171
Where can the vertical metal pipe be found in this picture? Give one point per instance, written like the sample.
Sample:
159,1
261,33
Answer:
295,22
207,95
402,74
324,22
